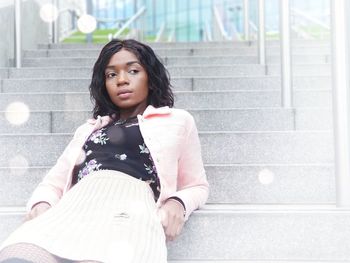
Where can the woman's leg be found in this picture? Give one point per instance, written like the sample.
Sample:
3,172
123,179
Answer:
26,253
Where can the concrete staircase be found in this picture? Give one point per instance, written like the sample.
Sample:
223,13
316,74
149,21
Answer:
271,169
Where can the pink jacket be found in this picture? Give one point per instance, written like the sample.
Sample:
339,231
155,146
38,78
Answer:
172,138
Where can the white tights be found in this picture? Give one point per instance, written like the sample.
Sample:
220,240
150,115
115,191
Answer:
29,253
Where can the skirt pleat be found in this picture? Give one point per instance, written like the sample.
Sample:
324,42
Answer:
108,216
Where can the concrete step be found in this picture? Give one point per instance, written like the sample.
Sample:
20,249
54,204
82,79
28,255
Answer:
86,72
264,119
278,234
4,73
303,69
183,99
274,43
177,52
257,233
287,147
174,61
248,59
181,71
179,84
229,184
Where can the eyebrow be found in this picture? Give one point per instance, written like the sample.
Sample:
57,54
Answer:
127,63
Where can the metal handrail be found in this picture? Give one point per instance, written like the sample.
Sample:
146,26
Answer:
303,33
295,11
219,23
74,14
130,21
160,32
253,26
171,36
207,31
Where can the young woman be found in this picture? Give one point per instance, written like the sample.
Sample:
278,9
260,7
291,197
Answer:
127,181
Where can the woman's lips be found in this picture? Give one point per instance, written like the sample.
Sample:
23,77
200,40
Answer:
124,94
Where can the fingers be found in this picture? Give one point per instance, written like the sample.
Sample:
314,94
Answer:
172,219
174,226
37,210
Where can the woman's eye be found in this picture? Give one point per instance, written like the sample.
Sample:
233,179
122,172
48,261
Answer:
133,71
110,75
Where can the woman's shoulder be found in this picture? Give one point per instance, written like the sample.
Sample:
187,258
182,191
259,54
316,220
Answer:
89,124
167,113
83,128
181,113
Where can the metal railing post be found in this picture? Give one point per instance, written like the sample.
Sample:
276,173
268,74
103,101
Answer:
55,22
341,98
261,35
246,19
18,40
286,58
89,11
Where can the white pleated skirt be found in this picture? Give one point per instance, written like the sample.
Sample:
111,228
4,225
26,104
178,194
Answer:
108,216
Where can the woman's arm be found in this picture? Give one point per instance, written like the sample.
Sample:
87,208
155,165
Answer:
192,185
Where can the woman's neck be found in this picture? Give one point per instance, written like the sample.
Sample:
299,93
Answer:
127,113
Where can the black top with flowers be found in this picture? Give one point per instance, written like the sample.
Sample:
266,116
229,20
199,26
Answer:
119,146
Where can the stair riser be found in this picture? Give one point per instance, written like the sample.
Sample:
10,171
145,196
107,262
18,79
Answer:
228,184
4,73
235,70
191,71
173,61
215,44
175,52
303,70
179,84
265,236
212,100
219,148
206,120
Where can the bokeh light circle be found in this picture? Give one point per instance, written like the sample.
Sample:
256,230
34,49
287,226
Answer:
17,113
48,13
266,176
87,24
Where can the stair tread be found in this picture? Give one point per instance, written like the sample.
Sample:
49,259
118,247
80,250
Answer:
238,208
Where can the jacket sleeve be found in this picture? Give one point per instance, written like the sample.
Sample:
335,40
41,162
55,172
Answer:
51,188
193,187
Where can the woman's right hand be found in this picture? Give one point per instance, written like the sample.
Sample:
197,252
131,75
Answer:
37,210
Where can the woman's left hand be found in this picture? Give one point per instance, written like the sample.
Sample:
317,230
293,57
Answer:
172,218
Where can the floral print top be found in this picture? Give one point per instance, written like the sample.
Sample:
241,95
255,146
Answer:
119,146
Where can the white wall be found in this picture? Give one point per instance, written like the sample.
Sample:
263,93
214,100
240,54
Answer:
34,31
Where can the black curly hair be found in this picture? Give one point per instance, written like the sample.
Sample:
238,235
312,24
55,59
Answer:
160,93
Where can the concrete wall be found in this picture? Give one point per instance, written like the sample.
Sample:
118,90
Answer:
34,30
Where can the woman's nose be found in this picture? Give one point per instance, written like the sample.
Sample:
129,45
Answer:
122,78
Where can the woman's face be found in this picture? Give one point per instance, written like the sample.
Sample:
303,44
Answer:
127,83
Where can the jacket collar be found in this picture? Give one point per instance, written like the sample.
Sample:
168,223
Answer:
149,111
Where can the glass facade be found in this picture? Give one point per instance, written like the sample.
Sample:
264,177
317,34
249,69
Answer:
187,20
